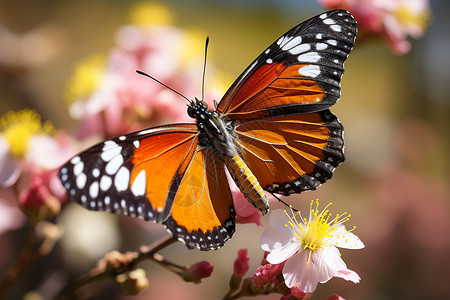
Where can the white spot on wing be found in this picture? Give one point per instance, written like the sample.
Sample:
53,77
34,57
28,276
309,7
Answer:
105,183
95,172
110,150
336,28
136,143
81,181
329,21
122,179
78,168
310,70
292,43
114,165
75,159
138,187
309,57
300,48
332,42
93,189
321,46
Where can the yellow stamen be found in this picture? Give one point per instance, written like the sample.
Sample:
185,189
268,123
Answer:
18,127
316,232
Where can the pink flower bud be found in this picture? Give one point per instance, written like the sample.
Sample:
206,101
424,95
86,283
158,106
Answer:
198,271
335,297
241,264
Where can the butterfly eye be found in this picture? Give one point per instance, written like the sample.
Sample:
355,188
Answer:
191,112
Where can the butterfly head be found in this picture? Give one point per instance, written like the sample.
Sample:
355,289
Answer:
198,109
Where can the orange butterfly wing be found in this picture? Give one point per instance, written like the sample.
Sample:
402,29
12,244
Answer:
293,153
158,174
299,73
289,138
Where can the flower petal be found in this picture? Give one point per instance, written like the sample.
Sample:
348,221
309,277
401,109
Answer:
10,167
278,217
280,242
328,262
349,275
297,272
345,239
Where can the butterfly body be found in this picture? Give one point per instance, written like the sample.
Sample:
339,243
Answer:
247,183
218,133
272,130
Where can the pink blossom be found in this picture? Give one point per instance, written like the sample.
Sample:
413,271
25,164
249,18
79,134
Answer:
393,20
308,247
27,145
240,266
123,101
30,154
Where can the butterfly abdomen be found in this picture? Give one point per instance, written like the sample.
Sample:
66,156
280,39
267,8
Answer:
247,183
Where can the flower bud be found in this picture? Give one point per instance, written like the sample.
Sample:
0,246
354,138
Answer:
198,271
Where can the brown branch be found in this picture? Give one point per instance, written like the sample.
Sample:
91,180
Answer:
115,263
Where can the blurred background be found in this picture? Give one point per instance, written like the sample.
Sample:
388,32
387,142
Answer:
395,110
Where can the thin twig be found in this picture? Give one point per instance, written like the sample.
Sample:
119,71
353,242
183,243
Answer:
115,263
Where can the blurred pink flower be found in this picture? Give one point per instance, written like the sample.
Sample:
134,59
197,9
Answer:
308,247
240,266
30,153
394,20
119,100
26,144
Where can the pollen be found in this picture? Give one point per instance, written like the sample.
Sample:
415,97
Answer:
86,78
18,127
318,230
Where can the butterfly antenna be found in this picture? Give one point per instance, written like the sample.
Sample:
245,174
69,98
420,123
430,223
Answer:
163,84
204,68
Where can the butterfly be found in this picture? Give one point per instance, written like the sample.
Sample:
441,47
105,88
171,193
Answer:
272,130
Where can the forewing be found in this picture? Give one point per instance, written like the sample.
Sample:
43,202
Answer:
298,73
292,153
132,174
